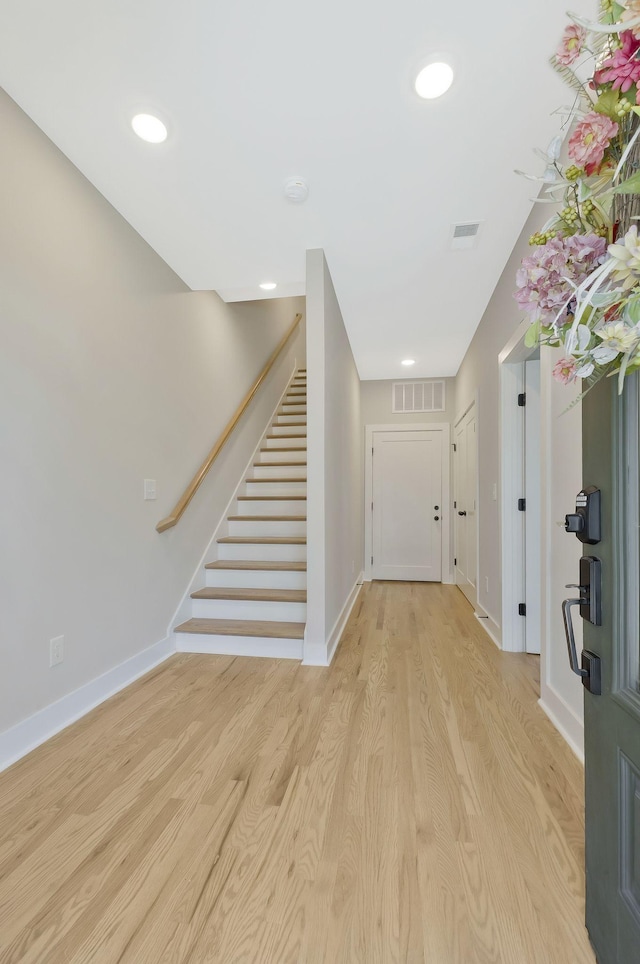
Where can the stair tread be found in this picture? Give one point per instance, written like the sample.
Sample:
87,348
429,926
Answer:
250,564
272,498
243,627
275,464
263,540
291,435
266,518
286,448
253,595
279,480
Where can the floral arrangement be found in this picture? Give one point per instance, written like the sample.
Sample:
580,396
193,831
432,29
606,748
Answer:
580,286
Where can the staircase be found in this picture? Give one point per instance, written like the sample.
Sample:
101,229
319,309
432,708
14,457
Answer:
254,602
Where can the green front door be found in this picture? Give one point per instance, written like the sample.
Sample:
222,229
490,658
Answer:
611,461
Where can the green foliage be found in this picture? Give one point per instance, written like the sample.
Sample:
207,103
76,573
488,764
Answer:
630,186
532,336
572,81
607,103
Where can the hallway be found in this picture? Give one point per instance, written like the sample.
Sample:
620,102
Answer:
411,803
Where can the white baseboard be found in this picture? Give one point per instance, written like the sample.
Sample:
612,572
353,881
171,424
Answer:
321,654
263,646
490,626
564,719
41,726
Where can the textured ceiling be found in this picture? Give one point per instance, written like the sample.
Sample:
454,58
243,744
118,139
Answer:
256,92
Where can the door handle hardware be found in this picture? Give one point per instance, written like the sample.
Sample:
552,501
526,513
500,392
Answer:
461,513
568,631
436,507
436,518
589,601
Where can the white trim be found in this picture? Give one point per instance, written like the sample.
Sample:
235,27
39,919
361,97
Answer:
216,645
41,726
490,627
210,554
511,488
447,528
564,719
321,654
518,585
533,514
472,405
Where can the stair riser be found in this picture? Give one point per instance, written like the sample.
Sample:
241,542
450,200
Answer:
291,410
283,489
279,471
297,395
295,456
280,431
271,507
248,609
239,646
255,579
263,553
296,419
271,528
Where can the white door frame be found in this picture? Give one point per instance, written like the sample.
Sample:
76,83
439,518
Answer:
473,404
445,428
512,360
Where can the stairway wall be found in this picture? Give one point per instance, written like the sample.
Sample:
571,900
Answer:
336,481
111,371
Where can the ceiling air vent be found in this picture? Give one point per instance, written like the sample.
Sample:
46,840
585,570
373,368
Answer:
465,234
417,397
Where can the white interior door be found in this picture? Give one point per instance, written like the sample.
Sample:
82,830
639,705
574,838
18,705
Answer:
407,506
532,456
465,514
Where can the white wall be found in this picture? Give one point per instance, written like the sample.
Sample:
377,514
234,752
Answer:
335,474
561,470
111,371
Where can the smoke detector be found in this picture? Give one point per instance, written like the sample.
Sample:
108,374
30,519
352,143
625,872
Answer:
296,189
465,234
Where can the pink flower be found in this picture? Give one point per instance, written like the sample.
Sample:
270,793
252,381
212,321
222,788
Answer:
565,371
547,278
590,140
622,70
571,45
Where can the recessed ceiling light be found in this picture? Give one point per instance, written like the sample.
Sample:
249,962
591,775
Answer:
434,80
408,361
296,189
149,128
268,286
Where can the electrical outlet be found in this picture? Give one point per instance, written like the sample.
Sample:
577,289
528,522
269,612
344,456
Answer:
56,650
150,489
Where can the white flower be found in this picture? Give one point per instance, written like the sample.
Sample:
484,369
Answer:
617,336
627,258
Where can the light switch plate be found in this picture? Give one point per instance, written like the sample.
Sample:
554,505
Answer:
150,489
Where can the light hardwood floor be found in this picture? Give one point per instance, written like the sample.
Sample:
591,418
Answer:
411,803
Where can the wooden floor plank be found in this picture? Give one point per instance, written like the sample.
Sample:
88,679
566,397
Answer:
411,803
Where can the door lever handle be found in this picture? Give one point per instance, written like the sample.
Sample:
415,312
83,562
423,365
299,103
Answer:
461,513
568,631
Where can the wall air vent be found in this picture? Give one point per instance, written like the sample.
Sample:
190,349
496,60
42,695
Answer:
417,397
465,234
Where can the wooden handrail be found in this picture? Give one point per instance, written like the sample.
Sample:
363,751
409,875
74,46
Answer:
198,478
